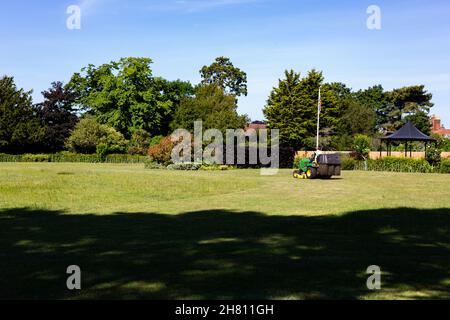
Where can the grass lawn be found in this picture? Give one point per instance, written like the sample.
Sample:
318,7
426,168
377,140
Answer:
139,233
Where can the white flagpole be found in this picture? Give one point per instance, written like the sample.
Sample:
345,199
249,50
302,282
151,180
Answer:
318,118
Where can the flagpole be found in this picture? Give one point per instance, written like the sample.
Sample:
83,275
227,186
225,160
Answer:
319,107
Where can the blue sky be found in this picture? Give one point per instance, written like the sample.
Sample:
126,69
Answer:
262,37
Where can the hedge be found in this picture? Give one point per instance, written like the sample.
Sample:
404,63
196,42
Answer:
445,166
73,157
390,164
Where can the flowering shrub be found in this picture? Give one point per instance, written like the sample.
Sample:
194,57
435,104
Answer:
162,152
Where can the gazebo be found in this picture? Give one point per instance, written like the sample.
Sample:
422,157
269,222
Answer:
406,134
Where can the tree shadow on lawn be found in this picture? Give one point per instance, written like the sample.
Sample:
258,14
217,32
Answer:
222,254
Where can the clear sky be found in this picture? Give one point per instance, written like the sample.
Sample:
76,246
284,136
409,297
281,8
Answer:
262,37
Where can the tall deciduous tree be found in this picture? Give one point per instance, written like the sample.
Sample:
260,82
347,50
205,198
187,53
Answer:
173,91
225,75
217,110
20,127
126,96
58,114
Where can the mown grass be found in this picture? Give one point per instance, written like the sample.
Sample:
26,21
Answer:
139,233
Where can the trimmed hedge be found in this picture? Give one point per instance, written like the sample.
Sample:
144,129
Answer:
73,157
390,164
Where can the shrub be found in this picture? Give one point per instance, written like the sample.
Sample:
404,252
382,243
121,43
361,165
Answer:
150,164
445,166
155,140
361,145
349,163
113,141
86,136
297,162
187,166
162,152
139,143
102,150
433,155
90,137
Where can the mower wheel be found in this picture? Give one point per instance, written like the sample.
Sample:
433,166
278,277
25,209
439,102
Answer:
311,173
296,174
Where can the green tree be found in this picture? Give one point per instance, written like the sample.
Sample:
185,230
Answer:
211,105
362,146
21,130
406,101
374,98
355,119
421,120
292,107
125,95
225,75
173,91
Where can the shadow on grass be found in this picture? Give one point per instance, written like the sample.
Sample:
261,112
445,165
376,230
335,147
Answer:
221,254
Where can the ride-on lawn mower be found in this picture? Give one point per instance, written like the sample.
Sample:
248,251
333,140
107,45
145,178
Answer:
320,165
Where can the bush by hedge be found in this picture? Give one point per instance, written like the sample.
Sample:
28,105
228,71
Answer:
445,166
349,163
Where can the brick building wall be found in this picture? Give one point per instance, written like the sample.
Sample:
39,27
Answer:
438,128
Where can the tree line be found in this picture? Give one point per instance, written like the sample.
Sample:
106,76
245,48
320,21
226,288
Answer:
118,107
122,107
292,108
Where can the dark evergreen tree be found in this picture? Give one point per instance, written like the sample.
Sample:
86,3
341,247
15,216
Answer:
21,130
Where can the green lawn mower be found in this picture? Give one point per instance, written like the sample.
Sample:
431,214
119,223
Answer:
319,166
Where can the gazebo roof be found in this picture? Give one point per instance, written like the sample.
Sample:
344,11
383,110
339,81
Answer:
408,133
